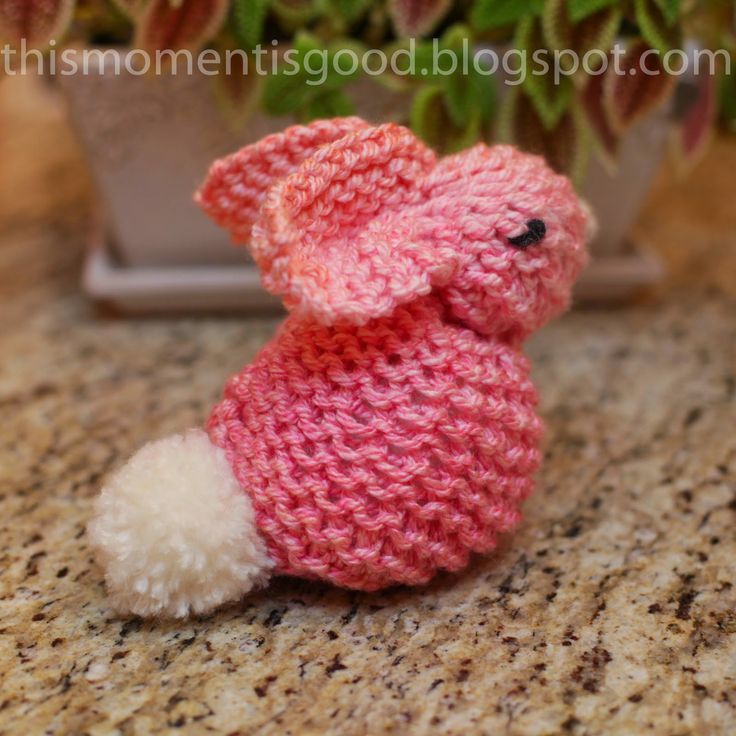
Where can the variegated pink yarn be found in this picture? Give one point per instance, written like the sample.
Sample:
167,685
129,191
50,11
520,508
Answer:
389,429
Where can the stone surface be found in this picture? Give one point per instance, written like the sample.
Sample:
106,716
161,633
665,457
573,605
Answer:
612,610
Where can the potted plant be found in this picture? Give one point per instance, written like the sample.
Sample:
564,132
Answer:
150,137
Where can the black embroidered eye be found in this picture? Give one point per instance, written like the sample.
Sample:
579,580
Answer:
535,232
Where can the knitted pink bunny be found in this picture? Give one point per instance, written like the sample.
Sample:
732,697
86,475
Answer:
388,430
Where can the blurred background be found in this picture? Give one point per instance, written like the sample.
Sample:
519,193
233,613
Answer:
107,161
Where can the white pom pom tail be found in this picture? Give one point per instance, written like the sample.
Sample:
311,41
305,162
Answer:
176,533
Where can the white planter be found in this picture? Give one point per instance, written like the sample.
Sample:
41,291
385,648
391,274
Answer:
150,141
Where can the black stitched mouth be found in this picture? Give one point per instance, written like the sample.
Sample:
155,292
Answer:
535,232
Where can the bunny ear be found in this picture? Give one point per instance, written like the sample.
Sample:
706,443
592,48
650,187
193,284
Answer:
342,239
236,186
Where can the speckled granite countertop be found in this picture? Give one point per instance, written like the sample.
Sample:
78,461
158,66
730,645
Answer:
611,611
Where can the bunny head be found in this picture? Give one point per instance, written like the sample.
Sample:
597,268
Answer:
347,221
520,232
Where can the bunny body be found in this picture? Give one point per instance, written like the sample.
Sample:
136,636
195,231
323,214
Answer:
378,454
388,430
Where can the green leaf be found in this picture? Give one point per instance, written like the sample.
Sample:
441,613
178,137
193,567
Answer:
309,53
399,80
423,117
550,100
580,9
285,94
467,96
341,67
470,96
428,67
423,61
249,17
344,62
487,14
463,92
328,105
350,10
455,36
431,121
298,90
294,14
727,101
305,42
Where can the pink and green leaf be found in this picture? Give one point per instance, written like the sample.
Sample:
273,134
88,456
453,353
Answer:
670,9
239,91
550,100
132,8
654,26
37,21
605,138
416,18
556,24
565,147
695,130
632,94
595,31
180,24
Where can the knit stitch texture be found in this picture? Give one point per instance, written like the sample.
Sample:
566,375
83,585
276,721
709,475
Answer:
389,429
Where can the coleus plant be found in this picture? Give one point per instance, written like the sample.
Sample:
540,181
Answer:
586,111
